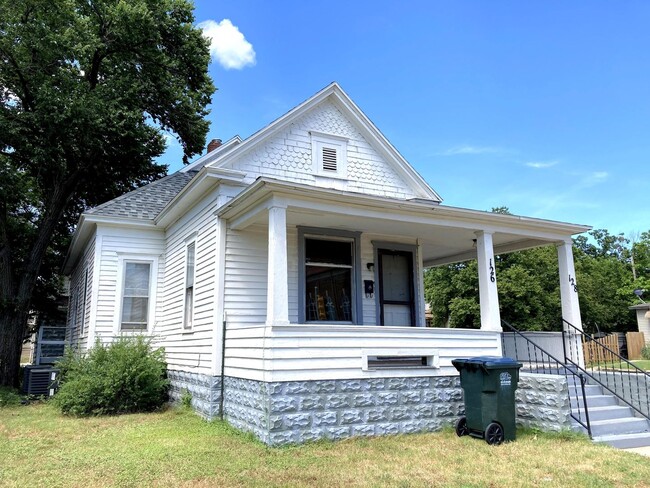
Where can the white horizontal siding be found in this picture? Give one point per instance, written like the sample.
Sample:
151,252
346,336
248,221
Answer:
116,242
79,311
308,352
246,276
190,350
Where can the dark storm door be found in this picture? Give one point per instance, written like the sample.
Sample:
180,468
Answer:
396,296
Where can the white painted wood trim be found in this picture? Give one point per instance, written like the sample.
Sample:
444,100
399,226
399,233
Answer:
487,282
153,291
219,287
277,303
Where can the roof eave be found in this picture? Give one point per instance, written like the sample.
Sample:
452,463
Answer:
85,229
263,187
206,179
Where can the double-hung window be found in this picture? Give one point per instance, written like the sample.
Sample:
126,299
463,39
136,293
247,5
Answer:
135,295
189,285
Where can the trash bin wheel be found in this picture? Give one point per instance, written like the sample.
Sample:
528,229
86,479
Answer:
461,427
494,434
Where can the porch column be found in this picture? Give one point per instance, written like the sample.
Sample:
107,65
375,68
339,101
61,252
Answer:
277,301
487,282
569,300
568,285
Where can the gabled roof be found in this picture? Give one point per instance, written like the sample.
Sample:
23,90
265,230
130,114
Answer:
372,134
145,202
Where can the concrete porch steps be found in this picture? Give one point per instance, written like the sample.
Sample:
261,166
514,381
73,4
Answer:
611,423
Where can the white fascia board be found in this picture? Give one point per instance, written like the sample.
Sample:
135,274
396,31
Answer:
87,226
206,179
328,200
212,155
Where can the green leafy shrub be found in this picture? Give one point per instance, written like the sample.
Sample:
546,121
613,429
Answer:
9,397
125,376
645,352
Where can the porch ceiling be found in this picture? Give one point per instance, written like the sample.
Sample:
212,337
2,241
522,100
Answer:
446,234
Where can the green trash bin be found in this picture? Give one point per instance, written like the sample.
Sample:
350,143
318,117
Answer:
489,385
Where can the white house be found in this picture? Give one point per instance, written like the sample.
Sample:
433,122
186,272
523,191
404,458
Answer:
283,274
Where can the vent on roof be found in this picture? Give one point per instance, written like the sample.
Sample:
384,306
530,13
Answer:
329,159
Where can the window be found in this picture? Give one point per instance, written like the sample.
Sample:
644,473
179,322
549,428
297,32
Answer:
328,280
189,286
135,295
82,326
329,155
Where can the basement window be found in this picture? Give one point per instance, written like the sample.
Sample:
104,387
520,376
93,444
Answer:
406,359
329,155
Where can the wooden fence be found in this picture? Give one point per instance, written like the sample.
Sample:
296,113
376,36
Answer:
596,354
635,342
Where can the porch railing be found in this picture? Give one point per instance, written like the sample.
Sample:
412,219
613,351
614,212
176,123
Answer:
537,360
629,383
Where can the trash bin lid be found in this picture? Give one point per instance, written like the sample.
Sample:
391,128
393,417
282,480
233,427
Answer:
494,362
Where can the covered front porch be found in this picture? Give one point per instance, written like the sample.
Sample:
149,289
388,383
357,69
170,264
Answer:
344,281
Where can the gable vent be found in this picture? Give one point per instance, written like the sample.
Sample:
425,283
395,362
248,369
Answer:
329,159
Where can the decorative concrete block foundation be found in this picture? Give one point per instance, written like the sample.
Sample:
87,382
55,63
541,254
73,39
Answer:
300,411
291,412
542,401
205,391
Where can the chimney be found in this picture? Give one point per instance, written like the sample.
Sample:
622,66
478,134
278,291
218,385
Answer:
213,144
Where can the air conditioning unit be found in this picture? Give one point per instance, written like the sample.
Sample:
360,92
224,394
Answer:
40,380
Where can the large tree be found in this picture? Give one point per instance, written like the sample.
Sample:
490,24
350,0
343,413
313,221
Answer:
88,89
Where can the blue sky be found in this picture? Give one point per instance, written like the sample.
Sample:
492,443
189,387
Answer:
543,107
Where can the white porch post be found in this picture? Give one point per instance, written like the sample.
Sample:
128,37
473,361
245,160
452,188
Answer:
277,301
487,282
569,299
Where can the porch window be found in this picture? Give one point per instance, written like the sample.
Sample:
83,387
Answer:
135,296
328,279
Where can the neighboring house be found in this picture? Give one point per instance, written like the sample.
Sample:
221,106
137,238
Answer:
643,319
283,274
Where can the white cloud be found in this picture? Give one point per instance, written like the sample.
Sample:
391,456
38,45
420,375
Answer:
228,46
600,175
471,150
541,164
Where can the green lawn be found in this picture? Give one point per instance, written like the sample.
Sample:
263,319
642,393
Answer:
39,447
639,363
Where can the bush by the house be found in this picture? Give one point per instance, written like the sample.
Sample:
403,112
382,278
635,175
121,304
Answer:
122,377
645,352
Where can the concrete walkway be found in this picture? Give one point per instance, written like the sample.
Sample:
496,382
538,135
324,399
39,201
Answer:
645,451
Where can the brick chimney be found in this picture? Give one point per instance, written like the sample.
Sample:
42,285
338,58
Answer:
213,144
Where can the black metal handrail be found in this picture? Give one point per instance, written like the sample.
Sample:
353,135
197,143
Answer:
538,360
629,383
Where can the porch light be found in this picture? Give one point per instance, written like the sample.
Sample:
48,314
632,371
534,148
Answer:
370,266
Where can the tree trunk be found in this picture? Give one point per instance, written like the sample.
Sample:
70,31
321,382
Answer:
12,326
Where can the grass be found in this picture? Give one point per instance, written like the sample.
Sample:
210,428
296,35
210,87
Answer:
639,363
39,447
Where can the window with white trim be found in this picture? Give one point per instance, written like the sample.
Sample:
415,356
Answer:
136,295
329,155
188,315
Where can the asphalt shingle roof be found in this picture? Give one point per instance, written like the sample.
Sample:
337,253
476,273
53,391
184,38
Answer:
145,202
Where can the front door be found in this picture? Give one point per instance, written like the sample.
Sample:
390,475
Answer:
396,300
